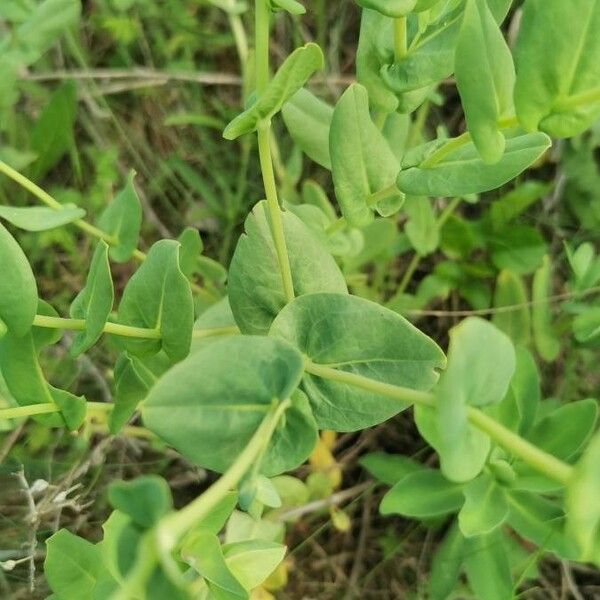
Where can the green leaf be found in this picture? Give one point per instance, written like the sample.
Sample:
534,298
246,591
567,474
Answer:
94,302
546,340
217,398
422,229
25,379
558,67
388,468
430,56
190,251
253,561
565,430
481,362
519,248
255,287
510,292
145,499
422,494
389,8
72,565
503,210
120,544
583,509
487,567
52,134
446,565
122,220
158,297
540,521
462,171
361,159
485,77
375,40
18,290
41,218
291,76
485,507
356,336
134,377
205,554
291,6
308,120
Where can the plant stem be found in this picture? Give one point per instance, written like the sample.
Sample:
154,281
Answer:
125,330
174,526
539,460
18,412
262,16
399,38
408,273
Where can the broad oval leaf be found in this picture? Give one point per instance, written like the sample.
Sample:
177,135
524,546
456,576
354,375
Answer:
209,406
485,507
290,77
255,287
423,494
481,362
122,220
485,76
308,120
462,171
356,336
361,159
158,297
18,290
558,67
72,565
94,302
41,218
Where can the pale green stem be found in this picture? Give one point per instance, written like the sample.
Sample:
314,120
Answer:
399,38
590,97
125,330
536,458
173,527
409,272
18,412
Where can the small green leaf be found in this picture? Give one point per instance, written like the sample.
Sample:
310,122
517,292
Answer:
356,336
583,509
558,67
253,561
145,499
485,77
190,251
546,340
203,551
120,544
446,565
41,218
308,120
72,566
18,290
462,171
361,159
290,77
291,6
388,468
510,292
122,220
485,507
421,228
389,8
519,248
217,398
158,297
422,494
94,302
255,286
481,362
487,567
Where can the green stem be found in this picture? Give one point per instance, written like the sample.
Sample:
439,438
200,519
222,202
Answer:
590,97
408,273
399,38
539,460
18,412
174,526
264,149
125,330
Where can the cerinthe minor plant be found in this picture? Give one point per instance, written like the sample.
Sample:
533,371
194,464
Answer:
290,351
